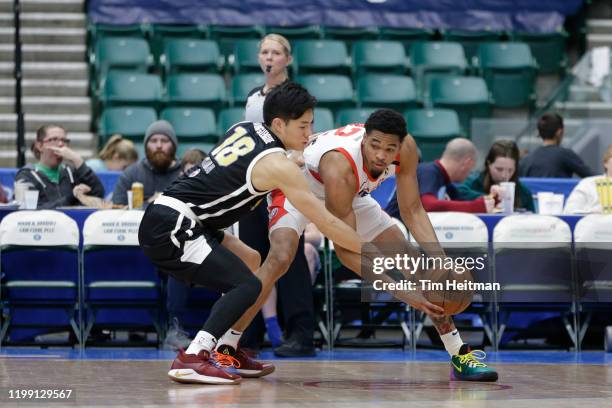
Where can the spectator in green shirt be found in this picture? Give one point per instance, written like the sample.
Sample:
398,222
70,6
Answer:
501,165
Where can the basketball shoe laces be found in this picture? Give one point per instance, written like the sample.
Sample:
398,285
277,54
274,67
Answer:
225,360
471,358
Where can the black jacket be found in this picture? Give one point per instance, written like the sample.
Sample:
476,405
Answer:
52,195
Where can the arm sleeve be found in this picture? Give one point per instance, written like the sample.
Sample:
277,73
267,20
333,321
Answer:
577,200
432,203
466,192
86,175
575,163
121,188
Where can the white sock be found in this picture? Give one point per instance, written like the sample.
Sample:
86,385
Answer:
230,338
202,341
452,342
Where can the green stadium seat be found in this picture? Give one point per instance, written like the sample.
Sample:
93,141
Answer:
245,56
186,54
311,32
122,88
160,33
509,70
242,84
320,56
470,40
183,147
226,36
432,129
386,90
379,56
192,125
351,34
129,121
548,49
430,58
407,36
348,116
227,118
202,90
120,53
99,31
323,120
468,96
332,91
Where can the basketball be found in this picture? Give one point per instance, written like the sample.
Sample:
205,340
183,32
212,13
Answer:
449,290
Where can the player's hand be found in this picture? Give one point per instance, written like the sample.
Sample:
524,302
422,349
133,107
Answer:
427,307
68,154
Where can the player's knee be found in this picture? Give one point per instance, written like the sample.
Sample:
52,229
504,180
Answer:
252,289
281,260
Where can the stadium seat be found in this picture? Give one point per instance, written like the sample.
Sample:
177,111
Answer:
323,120
131,88
332,91
245,56
468,96
379,56
509,70
407,36
470,40
183,147
548,49
117,276
228,117
386,90
320,56
39,251
98,31
184,54
310,32
525,244
160,33
127,53
192,125
227,36
347,116
202,90
432,129
429,58
129,121
350,34
242,84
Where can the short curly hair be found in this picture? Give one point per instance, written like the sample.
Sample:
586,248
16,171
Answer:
387,121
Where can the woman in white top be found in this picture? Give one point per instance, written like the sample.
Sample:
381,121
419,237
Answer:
584,197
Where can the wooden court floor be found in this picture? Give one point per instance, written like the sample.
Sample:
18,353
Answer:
312,384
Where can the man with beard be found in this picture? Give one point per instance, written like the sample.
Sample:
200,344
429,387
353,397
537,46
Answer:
60,172
157,170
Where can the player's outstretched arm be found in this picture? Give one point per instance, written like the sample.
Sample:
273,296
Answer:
409,200
275,171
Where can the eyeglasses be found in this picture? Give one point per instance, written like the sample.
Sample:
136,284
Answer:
57,140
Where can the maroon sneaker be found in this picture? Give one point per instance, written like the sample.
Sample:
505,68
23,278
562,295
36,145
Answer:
200,369
243,363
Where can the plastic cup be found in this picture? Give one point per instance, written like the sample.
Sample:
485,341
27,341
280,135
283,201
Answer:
130,197
508,196
31,199
545,202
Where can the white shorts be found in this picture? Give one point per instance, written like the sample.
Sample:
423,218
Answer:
371,218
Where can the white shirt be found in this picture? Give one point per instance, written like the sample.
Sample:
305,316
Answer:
584,197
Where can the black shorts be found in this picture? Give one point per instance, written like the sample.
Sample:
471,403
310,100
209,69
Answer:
178,245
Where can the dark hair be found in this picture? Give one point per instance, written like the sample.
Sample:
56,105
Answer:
549,124
387,121
288,101
41,133
502,148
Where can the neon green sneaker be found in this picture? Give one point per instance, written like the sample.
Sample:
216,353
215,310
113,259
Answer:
466,366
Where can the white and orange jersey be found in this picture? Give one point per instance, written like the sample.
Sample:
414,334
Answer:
346,140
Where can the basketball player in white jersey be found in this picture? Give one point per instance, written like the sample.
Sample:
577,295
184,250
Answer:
342,167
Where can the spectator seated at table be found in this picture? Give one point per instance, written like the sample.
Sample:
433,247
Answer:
585,197
116,155
500,165
54,179
436,182
550,159
157,170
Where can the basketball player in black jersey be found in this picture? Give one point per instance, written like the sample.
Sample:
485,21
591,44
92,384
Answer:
182,232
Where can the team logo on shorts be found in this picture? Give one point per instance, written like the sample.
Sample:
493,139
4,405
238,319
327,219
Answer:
273,212
196,170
